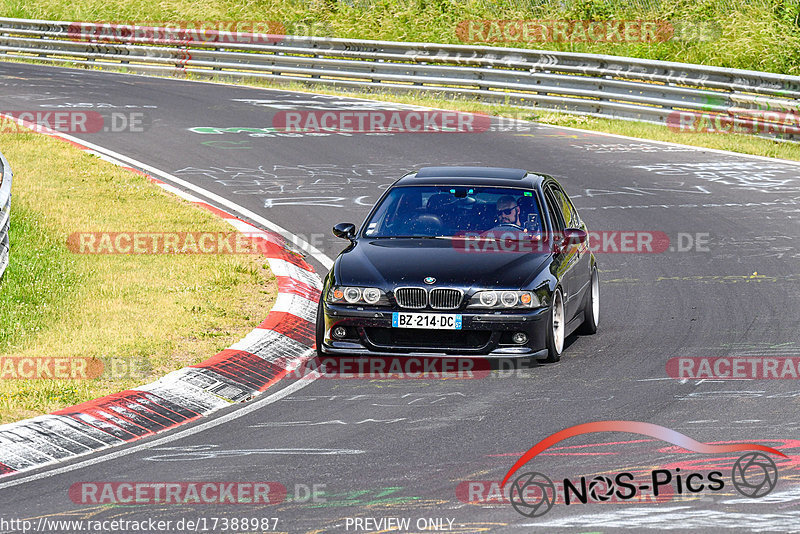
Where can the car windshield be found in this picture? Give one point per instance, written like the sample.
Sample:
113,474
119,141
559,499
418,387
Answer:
453,211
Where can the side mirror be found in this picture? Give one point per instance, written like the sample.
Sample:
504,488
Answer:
345,231
575,236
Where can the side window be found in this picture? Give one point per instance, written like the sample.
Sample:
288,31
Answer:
571,218
554,209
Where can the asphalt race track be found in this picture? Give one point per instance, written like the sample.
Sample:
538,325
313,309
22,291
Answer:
401,448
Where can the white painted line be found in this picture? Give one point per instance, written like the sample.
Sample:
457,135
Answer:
244,410
175,191
540,124
179,382
181,454
301,243
498,117
669,143
412,106
596,132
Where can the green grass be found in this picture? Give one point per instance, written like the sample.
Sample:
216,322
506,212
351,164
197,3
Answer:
39,281
751,34
142,316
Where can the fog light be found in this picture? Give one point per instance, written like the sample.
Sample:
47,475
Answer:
340,332
520,338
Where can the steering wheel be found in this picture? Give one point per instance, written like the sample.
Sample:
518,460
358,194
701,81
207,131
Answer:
507,225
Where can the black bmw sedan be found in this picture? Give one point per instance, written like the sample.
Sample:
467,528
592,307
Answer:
465,261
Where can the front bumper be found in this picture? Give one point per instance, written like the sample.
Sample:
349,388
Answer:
482,333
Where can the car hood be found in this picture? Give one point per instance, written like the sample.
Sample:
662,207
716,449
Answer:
392,262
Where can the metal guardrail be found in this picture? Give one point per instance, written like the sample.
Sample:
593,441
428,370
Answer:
5,214
590,84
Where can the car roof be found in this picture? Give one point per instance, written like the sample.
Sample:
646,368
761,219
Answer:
489,176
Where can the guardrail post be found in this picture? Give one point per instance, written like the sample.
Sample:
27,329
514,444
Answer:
589,84
5,215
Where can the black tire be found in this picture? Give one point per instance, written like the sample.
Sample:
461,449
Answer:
591,310
556,326
320,331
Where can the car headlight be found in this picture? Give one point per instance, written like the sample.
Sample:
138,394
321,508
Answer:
503,299
352,294
487,298
371,295
357,295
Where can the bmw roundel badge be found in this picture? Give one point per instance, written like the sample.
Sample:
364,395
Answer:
429,280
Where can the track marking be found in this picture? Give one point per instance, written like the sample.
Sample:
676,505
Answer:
121,160
599,133
106,153
172,436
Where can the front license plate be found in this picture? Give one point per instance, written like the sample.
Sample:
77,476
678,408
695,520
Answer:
441,321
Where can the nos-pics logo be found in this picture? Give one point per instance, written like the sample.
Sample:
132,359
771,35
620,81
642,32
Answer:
533,494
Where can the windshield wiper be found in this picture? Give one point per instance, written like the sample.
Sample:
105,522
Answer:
520,236
406,237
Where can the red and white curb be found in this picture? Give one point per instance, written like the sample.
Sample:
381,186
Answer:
282,342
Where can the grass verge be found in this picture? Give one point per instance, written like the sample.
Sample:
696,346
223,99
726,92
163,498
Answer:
740,143
141,315
748,34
